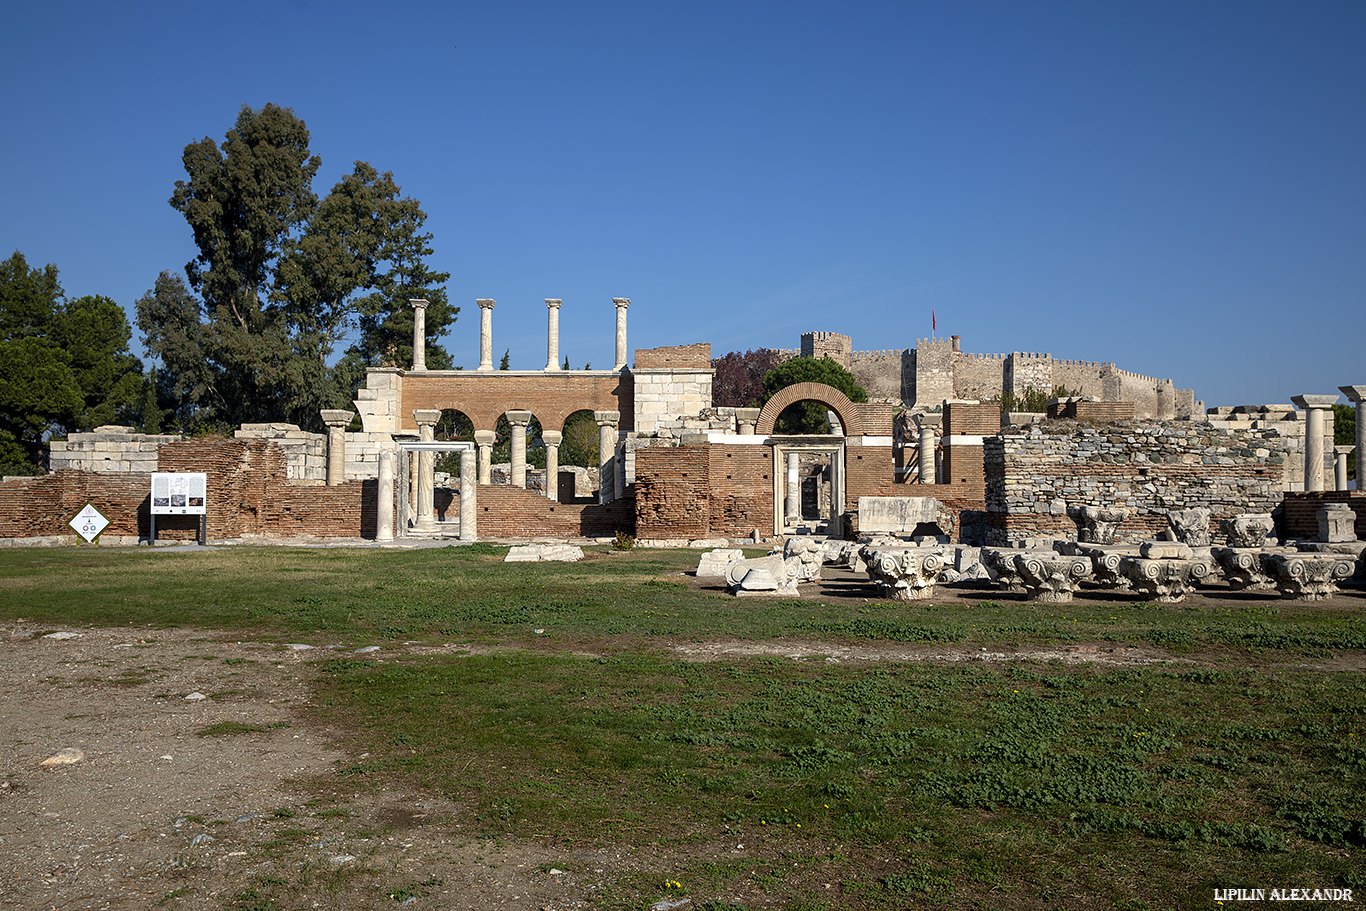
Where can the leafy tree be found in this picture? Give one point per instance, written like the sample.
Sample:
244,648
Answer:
579,445
64,366
171,320
809,417
1345,434
739,378
1032,400
284,277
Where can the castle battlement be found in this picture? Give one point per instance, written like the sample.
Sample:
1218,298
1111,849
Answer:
890,352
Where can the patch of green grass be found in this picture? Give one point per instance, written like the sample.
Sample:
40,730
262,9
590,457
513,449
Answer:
228,729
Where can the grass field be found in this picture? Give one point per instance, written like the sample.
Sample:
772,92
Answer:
1238,761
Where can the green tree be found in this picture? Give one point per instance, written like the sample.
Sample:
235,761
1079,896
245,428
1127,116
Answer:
739,378
284,277
505,362
64,366
809,417
1345,434
171,320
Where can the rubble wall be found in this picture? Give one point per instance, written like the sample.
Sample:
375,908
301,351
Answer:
1033,477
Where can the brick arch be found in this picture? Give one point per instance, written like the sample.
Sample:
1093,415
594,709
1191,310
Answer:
829,396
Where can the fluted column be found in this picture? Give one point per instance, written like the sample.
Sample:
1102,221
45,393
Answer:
621,303
336,421
485,334
794,490
384,498
1357,395
552,339
468,510
1314,406
552,439
419,334
426,470
519,421
607,453
484,440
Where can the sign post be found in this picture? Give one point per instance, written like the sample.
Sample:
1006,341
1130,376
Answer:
89,523
182,493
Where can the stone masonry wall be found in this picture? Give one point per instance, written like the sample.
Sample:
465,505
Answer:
305,453
978,376
109,449
662,395
1033,477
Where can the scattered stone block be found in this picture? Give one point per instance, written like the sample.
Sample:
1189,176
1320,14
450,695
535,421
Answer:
713,563
1337,523
544,553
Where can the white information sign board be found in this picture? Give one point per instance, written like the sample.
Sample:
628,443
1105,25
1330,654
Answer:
179,493
89,523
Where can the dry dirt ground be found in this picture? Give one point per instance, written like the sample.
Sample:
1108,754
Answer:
161,812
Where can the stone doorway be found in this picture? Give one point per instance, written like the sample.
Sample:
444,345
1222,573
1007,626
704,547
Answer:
808,485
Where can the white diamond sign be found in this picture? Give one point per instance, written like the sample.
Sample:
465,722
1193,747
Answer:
89,523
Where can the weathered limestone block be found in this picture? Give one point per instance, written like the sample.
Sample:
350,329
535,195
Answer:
772,575
904,573
1051,577
1247,530
1308,577
534,553
1104,561
713,563
1165,579
804,558
1190,526
1242,568
1337,523
999,563
902,515
1098,524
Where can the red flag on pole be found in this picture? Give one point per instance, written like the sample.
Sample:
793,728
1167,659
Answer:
932,325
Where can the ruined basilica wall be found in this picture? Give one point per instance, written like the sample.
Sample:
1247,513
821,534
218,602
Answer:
662,395
1033,477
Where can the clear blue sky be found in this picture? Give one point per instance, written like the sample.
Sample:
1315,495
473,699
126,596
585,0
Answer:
1178,187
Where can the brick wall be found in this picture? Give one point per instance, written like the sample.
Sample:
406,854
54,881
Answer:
672,492
248,494
1300,511
551,396
741,490
504,511
695,356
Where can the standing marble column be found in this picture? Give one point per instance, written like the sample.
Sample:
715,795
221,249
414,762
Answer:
1357,395
485,333
928,459
468,510
384,498
336,421
607,453
622,303
519,421
1340,466
426,470
552,340
551,440
1314,406
484,440
419,334
793,513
